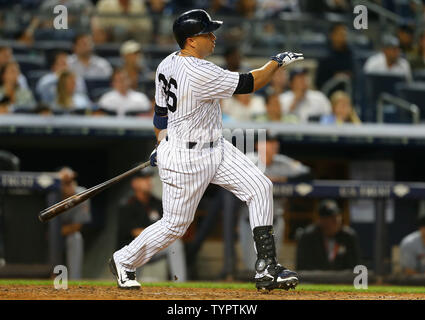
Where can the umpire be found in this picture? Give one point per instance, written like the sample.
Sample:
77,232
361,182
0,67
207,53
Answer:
328,245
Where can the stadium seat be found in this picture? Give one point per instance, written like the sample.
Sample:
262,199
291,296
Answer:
419,75
414,93
29,62
52,34
96,93
108,50
376,84
33,76
50,45
93,84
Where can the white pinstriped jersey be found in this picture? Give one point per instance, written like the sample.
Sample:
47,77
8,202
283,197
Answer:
190,88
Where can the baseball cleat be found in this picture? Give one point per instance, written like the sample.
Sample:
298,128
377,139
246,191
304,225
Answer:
276,277
125,279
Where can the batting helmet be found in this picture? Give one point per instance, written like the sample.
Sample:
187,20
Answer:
193,23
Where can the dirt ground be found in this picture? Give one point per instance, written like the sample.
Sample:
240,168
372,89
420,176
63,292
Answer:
39,292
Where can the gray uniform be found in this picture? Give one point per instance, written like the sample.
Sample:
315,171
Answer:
73,244
281,166
412,252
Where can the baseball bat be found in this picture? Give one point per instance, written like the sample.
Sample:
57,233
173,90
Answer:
68,203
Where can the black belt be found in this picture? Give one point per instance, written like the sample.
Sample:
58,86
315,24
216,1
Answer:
191,145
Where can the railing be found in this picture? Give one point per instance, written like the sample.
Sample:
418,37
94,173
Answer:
398,102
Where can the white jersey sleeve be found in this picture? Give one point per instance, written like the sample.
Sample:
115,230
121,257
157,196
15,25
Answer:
209,81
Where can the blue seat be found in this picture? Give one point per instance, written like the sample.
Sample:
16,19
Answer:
108,50
29,62
93,84
33,76
419,75
376,84
413,93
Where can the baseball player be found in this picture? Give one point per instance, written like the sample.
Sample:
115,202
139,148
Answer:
192,152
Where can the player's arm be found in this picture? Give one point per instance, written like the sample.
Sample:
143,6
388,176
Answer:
68,229
160,117
258,78
160,123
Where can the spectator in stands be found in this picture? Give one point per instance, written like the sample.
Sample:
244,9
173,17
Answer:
389,60
405,34
272,8
243,107
131,56
342,110
12,96
46,87
328,245
67,98
324,6
86,64
123,100
278,83
339,61
219,8
412,249
417,60
273,109
233,60
65,231
300,103
122,27
141,210
6,56
246,8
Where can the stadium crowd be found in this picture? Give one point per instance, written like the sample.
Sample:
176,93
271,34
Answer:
104,63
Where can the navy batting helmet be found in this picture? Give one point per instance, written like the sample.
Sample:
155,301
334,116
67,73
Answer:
193,23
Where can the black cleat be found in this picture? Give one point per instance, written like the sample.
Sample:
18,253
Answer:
276,277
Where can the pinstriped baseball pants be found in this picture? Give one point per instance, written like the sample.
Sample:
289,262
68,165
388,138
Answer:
185,174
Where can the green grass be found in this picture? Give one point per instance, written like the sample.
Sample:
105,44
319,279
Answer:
220,285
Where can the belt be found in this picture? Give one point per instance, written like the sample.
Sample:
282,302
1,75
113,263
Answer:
192,144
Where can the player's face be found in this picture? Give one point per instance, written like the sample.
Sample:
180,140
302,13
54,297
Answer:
142,185
205,44
330,225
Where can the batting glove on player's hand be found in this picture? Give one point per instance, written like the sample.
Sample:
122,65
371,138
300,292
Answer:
286,58
152,158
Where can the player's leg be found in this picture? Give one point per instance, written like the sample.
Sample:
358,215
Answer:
177,261
185,174
74,255
241,176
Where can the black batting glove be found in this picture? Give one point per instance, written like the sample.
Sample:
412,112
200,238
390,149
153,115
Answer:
286,58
